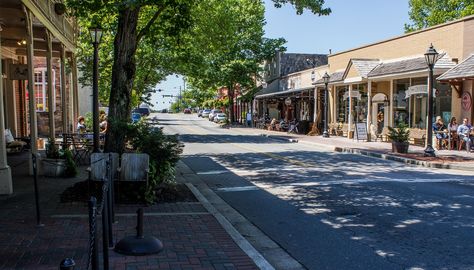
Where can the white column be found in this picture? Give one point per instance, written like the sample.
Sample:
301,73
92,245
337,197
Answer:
369,104
349,128
74,85
332,105
315,113
6,186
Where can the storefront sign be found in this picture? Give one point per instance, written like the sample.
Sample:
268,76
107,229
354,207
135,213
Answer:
466,101
361,131
288,101
354,94
418,90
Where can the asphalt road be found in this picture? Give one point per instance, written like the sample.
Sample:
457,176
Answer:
332,210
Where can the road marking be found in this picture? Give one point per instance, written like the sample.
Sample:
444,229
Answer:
370,180
275,156
212,172
234,189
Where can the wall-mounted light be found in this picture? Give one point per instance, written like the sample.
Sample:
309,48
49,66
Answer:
21,42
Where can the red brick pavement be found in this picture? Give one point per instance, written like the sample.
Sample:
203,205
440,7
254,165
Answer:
192,238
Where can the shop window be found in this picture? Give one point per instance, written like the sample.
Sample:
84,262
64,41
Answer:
342,104
41,89
400,104
359,109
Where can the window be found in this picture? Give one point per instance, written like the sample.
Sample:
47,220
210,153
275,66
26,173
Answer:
342,104
41,89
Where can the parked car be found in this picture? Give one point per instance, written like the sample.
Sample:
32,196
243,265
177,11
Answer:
220,117
213,114
164,111
187,111
206,113
142,111
199,113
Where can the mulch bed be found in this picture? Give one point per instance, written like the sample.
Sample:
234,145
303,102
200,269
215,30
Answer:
127,192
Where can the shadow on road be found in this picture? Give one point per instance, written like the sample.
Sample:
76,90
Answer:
350,212
226,138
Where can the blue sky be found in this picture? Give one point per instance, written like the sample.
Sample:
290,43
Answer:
352,23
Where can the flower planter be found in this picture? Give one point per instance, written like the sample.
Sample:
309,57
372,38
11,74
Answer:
400,147
53,167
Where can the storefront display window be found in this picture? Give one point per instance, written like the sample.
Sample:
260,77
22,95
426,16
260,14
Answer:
342,104
359,109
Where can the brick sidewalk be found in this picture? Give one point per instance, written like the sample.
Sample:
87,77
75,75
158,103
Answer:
192,237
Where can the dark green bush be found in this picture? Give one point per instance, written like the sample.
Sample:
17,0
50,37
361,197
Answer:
164,151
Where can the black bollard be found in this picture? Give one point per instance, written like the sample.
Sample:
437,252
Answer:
110,206
140,223
93,234
139,244
67,264
35,177
105,229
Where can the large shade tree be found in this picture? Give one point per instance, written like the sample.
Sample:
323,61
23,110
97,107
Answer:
426,13
144,26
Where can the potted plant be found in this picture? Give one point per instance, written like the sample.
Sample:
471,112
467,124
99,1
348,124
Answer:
58,162
400,138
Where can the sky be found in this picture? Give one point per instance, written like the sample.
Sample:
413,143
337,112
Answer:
351,24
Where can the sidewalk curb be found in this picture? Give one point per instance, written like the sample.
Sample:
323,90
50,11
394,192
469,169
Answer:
409,161
246,247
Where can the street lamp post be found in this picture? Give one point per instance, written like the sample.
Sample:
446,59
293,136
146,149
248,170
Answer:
431,56
326,81
96,36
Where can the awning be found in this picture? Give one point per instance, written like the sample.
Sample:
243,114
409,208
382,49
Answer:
290,91
464,70
418,90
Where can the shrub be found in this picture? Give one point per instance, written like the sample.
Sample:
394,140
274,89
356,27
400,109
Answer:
53,152
399,134
164,151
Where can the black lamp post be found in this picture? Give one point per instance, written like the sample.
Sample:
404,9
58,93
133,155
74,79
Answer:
431,56
96,36
326,81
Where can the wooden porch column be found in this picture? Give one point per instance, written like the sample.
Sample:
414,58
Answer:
390,117
31,79
6,186
75,90
63,90
51,97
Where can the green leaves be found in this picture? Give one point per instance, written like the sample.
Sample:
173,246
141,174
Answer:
426,13
314,6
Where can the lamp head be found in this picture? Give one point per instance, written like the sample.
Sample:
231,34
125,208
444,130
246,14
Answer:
96,34
431,56
326,78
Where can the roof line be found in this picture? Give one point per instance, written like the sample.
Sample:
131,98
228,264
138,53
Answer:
467,18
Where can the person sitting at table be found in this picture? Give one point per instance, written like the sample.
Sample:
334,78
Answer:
81,126
464,133
440,131
453,129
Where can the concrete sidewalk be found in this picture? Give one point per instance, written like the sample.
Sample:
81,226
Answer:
192,236
445,159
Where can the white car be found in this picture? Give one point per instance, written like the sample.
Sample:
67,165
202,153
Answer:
205,113
220,117
213,114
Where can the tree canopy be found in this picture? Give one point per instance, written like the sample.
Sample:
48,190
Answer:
216,43
426,13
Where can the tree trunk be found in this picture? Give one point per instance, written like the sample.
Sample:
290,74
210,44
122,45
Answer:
123,74
231,104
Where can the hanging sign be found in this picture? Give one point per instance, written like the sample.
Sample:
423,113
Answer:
361,131
466,101
18,72
418,90
354,94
